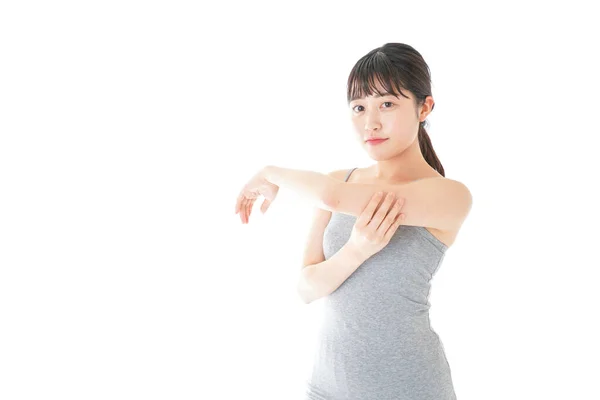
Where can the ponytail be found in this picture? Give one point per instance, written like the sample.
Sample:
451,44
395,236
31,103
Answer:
427,150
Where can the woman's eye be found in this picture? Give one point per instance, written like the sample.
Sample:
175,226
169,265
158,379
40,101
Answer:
386,102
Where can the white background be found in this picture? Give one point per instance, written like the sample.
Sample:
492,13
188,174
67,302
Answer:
128,128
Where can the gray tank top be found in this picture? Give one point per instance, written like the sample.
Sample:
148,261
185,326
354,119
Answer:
376,340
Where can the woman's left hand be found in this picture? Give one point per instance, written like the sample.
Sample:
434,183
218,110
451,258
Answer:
257,186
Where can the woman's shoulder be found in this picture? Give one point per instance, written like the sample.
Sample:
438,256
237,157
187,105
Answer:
340,174
357,174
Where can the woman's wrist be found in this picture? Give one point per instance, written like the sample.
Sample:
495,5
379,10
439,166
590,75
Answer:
267,172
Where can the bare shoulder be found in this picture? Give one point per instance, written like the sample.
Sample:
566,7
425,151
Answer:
457,189
458,194
441,181
454,191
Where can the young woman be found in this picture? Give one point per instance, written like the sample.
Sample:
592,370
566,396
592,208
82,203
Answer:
377,341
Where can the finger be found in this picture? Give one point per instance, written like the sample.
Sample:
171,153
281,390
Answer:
249,210
400,202
241,209
245,210
265,206
367,214
238,202
243,197
390,218
382,211
394,226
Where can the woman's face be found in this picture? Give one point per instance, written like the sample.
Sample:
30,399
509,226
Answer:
392,118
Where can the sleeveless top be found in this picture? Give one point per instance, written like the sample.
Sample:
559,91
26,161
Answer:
376,340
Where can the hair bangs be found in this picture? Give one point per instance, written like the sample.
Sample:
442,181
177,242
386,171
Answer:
371,74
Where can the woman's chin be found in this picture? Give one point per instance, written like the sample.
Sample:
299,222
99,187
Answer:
378,156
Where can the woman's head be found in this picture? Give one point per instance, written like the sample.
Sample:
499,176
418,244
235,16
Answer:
398,73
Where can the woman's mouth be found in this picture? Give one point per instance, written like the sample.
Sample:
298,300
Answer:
375,141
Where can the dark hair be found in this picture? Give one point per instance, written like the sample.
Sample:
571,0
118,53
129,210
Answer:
396,66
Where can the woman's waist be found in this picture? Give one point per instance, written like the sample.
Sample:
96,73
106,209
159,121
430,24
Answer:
409,317
383,334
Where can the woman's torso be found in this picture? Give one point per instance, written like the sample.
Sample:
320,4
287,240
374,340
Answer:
376,340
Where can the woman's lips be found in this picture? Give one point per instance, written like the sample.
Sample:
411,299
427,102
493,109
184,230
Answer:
376,141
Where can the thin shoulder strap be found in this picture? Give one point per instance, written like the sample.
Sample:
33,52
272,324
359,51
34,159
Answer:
348,174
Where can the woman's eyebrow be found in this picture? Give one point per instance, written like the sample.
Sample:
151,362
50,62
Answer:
383,95
375,96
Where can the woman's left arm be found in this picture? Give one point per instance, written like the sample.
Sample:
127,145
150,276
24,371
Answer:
438,203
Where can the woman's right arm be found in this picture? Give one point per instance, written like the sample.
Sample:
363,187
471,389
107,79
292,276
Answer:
371,232
321,279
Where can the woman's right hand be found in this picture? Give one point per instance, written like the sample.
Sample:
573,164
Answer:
373,229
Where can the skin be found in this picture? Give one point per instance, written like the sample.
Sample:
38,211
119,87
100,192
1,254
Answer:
399,161
399,158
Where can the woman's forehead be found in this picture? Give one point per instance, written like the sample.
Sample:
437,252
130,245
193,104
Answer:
360,92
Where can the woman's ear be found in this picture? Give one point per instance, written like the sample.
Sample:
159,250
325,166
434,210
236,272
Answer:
426,108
